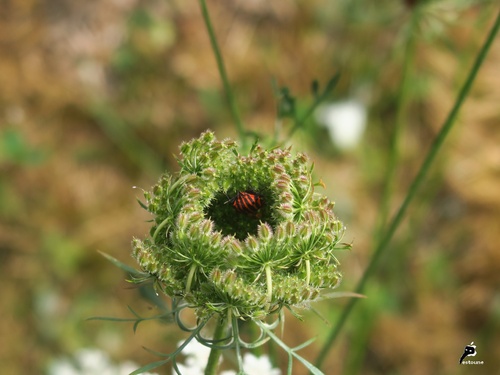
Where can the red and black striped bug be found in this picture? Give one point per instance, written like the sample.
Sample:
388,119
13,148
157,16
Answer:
247,202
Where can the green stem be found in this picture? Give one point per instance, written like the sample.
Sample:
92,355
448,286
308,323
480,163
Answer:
159,227
236,335
189,281
308,271
213,359
269,280
223,75
417,182
403,96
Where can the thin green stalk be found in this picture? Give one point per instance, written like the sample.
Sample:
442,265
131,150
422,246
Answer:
308,271
417,182
236,334
269,280
223,75
213,359
192,270
403,96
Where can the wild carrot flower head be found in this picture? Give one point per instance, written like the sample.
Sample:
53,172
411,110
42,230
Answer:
240,235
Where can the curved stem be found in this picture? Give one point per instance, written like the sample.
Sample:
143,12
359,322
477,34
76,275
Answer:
223,75
417,182
160,227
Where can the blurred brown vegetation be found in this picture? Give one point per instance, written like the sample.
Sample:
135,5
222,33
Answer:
95,97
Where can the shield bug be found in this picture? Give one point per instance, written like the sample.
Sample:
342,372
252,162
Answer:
247,202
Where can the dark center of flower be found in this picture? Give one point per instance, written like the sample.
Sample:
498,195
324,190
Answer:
241,213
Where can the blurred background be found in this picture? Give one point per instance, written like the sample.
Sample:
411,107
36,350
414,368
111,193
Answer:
96,96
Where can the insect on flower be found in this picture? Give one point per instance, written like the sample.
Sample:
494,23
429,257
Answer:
247,202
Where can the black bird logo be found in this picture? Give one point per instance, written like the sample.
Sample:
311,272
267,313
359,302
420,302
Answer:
470,350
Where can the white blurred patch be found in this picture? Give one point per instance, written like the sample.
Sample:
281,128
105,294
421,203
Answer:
256,366
345,121
196,358
90,362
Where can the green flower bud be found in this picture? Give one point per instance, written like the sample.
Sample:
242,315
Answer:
233,245
286,209
252,243
265,232
216,275
278,168
240,234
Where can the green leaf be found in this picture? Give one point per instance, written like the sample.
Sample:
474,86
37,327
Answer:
142,204
315,88
331,85
313,369
341,295
132,271
150,366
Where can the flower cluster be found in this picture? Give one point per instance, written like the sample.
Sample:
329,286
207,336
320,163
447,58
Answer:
221,260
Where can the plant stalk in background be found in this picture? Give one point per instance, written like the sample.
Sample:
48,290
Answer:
417,182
